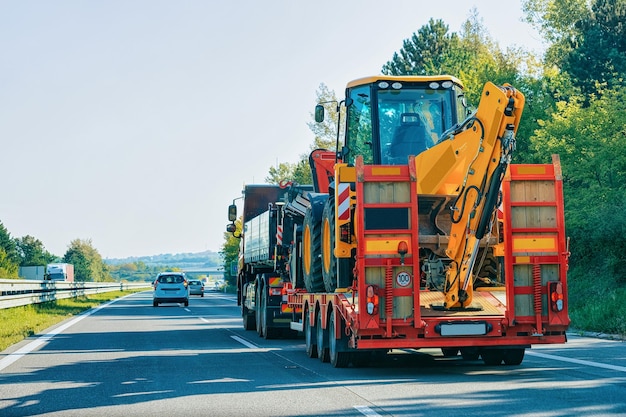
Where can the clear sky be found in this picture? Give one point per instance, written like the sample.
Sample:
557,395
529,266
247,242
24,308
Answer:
134,123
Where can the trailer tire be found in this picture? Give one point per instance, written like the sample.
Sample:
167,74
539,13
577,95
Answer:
450,352
470,354
322,340
513,356
338,348
309,337
492,357
311,253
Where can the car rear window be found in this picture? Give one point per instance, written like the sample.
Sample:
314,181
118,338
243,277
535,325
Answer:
171,279
195,283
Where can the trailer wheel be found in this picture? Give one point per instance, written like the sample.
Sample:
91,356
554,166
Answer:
492,357
470,354
513,356
361,359
322,340
449,352
339,357
311,253
309,337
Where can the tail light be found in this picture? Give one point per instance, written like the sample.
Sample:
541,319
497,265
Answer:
556,296
372,300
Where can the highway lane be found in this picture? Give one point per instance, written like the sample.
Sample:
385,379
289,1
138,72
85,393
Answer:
131,359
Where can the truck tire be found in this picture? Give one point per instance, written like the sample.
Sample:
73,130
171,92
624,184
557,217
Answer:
309,337
311,254
248,319
337,348
267,332
322,340
257,312
329,262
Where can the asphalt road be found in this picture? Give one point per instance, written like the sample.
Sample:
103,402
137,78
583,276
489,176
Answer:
131,359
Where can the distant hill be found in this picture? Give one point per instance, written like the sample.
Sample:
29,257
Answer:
180,260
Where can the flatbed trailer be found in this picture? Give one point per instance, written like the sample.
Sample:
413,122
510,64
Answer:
501,322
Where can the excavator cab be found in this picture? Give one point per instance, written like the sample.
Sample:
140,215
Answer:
390,118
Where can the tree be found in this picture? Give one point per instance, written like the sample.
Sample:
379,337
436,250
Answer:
588,40
427,52
88,264
230,253
475,58
32,252
9,258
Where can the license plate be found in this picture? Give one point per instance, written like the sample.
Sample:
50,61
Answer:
463,329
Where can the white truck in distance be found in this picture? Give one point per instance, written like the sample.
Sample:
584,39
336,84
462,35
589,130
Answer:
60,272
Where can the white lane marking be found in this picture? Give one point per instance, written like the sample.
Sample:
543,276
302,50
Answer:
578,361
245,342
12,357
366,411
204,320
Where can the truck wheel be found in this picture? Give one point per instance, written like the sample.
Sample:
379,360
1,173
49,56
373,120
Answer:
337,348
329,262
248,319
267,332
322,340
311,254
309,337
513,356
492,357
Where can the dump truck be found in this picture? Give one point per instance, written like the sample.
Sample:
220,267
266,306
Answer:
418,232
269,229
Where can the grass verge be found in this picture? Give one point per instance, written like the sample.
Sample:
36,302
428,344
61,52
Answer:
19,323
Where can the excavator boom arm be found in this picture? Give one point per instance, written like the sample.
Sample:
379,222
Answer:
471,165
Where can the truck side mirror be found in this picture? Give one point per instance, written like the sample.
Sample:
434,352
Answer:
231,228
319,113
232,213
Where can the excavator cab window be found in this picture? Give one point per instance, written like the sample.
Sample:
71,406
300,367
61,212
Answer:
388,121
359,139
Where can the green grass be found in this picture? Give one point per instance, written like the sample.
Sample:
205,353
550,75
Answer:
19,323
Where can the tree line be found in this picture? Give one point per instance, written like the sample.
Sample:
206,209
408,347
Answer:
87,261
575,107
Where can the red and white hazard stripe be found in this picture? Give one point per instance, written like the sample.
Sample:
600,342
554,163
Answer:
343,201
279,234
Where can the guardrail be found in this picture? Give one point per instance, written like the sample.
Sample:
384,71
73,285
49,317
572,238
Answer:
20,292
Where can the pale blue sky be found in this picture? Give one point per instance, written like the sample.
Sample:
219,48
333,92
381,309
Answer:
135,123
